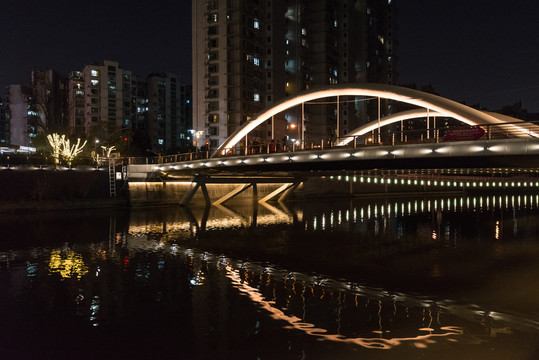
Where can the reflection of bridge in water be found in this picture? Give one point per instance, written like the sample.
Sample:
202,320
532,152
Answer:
343,311
168,246
355,313
347,216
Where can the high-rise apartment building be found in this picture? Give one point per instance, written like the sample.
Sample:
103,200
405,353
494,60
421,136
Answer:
167,112
248,55
4,123
136,114
21,113
33,110
76,104
48,100
139,116
107,105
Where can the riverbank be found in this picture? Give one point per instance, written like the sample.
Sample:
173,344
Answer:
26,189
30,189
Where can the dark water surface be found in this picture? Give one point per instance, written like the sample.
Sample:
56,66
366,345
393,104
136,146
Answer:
453,277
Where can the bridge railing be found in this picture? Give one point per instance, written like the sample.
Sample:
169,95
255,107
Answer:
373,138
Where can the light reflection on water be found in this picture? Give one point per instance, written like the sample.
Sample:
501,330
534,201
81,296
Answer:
336,272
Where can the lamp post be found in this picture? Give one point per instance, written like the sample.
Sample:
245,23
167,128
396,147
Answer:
95,146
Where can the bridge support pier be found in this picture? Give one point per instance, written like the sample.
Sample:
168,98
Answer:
238,191
289,185
197,183
285,190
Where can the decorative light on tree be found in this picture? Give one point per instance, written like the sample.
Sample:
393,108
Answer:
70,152
96,157
56,141
107,150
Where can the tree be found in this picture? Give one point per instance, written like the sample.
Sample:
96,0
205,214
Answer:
70,152
62,146
56,141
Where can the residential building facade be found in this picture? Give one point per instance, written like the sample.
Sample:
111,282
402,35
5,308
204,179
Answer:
140,115
249,55
107,105
167,117
48,100
19,99
4,122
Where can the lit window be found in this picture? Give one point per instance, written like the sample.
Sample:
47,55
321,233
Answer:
256,24
160,141
95,72
256,61
335,23
95,82
256,97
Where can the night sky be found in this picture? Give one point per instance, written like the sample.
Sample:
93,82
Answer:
476,51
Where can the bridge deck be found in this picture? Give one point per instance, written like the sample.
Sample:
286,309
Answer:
506,153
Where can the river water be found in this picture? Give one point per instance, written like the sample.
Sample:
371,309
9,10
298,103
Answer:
447,277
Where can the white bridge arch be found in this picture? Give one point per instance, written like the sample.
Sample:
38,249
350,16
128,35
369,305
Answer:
431,104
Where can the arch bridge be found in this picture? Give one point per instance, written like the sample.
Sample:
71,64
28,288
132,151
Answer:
429,106
506,143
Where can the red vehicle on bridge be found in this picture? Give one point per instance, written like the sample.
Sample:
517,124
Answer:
463,134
